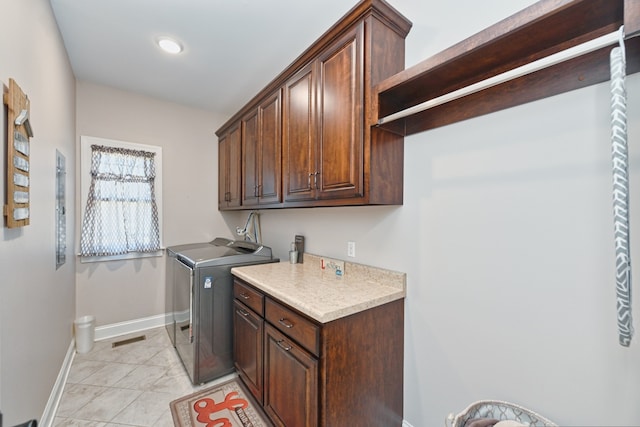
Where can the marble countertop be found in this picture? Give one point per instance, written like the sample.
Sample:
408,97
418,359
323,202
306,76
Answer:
320,294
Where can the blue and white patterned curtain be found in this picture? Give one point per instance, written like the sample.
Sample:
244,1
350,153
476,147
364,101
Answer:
121,215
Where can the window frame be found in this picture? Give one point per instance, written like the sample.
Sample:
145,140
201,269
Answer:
85,182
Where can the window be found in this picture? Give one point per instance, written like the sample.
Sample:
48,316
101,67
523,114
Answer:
121,216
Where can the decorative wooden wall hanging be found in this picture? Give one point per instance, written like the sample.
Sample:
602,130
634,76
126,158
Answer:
19,131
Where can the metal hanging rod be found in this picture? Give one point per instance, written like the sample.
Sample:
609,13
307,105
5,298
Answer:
532,67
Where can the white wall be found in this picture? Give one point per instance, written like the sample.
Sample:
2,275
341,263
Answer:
506,236
36,300
120,291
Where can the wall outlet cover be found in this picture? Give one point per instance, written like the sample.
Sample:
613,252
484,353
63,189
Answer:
351,249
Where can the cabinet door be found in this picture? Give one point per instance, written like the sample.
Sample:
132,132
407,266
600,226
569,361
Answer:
291,382
298,136
250,158
270,155
340,117
229,168
248,334
235,167
261,156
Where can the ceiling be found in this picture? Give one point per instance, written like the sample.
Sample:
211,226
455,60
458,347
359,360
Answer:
232,48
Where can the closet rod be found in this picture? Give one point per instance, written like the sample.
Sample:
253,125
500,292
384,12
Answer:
548,61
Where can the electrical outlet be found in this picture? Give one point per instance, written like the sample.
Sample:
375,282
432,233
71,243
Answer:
334,266
351,249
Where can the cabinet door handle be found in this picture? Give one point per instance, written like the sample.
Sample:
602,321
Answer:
283,345
310,175
315,179
244,295
284,322
243,312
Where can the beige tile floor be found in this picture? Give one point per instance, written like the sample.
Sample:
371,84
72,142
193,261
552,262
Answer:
129,385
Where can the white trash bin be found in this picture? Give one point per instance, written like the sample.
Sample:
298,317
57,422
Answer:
85,333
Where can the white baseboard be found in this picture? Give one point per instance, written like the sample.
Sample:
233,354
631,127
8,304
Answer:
406,424
56,393
131,326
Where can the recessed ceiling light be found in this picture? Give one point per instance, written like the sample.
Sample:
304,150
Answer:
169,45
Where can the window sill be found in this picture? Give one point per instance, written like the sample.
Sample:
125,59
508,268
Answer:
132,255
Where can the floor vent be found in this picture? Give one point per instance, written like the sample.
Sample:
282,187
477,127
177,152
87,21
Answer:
128,341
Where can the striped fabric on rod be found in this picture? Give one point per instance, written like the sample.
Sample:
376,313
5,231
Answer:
620,159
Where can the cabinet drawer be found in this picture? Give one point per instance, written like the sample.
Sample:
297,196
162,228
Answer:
299,328
249,297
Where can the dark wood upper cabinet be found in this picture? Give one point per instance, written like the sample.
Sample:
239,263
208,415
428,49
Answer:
250,158
229,168
299,136
323,124
261,153
329,155
339,145
270,187
339,166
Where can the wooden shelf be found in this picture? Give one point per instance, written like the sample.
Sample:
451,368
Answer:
545,28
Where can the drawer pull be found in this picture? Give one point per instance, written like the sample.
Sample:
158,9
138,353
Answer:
284,322
284,346
243,312
244,295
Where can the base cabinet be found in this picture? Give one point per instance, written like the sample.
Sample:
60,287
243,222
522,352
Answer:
247,347
291,381
306,374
